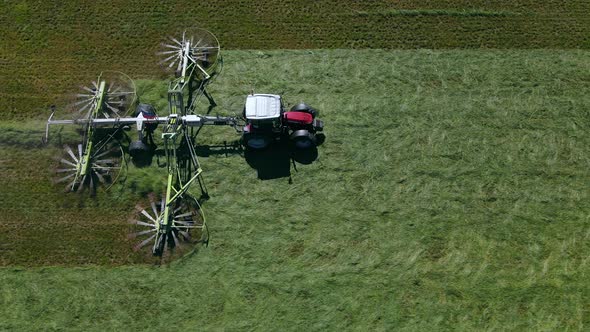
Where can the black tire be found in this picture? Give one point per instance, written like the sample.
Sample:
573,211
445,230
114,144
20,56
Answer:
146,109
302,107
139,149
303,139
256,142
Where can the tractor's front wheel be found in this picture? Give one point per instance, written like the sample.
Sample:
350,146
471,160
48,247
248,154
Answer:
302,107
303,139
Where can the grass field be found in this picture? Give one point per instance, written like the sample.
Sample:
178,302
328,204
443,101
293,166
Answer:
48,47
451,193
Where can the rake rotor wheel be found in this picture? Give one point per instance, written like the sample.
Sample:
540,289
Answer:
118,100
187,229
104,169
203,51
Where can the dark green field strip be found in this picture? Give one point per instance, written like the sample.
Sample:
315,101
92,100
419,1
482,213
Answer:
48,48
549,8
134,27
40,224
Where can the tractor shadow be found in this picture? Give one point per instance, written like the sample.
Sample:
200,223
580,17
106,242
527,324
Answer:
271,163
275,161
226,149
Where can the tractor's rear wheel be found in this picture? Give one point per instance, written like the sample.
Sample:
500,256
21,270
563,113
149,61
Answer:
303,139
257,141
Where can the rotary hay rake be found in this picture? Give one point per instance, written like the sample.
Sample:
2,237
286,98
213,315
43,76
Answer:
97,159
102,107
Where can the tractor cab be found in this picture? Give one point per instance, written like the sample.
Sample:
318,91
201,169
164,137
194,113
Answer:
264,111
263,114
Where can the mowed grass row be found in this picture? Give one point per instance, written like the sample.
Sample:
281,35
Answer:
451,192
48,49
41,225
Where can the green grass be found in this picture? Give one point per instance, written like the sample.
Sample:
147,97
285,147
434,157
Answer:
451,193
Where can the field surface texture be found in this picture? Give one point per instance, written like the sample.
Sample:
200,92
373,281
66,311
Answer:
49,47
451,193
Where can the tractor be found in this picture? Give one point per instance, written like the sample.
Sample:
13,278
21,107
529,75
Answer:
267,121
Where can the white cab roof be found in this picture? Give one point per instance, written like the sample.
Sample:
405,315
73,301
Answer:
263,106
